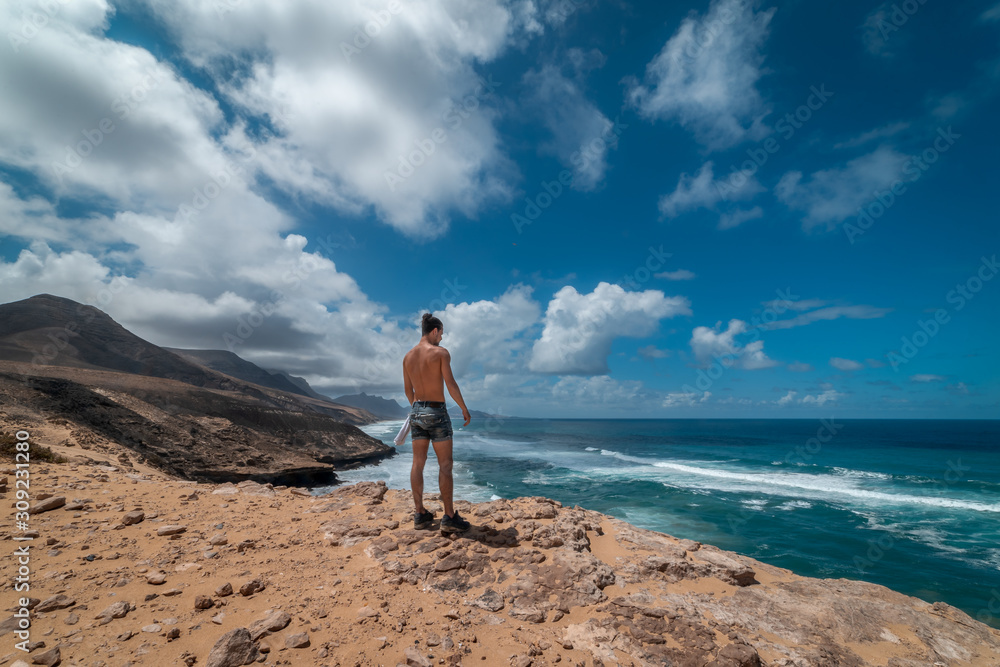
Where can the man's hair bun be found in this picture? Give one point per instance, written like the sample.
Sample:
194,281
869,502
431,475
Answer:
429,323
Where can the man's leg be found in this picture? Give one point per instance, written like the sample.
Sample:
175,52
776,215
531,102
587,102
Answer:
417,472
442,450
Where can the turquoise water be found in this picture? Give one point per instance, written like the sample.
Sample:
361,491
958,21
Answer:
910,504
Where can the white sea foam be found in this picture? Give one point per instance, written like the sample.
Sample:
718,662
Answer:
829,487
754,504
795,505
591,449
849,472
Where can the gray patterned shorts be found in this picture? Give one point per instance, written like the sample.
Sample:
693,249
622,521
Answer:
429,420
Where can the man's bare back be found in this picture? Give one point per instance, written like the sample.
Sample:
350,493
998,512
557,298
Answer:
422,364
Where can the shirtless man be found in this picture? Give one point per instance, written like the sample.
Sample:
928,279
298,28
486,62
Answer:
425,367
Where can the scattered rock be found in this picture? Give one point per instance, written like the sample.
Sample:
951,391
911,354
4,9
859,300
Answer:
737,655
273,622
55,602
170,530
133,517
251,587
490,601
723,567
367,612
233,649
46,505
415,658
50,657
116,610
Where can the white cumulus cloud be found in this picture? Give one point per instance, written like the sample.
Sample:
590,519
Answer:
706,75
579,328
712,344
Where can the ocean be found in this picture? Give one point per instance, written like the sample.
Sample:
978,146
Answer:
913,505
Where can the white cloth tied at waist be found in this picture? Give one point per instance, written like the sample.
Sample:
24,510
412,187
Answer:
401,436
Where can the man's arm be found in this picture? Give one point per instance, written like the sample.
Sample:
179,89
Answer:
408,386
449,381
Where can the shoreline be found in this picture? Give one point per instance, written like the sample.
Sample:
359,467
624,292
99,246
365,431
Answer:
349,582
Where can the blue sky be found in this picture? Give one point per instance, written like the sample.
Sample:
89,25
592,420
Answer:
743,208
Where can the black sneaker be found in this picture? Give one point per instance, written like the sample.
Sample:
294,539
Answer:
454,524
422,519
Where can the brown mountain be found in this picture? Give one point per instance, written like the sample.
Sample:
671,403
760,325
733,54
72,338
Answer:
235,366
65,363
48,330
